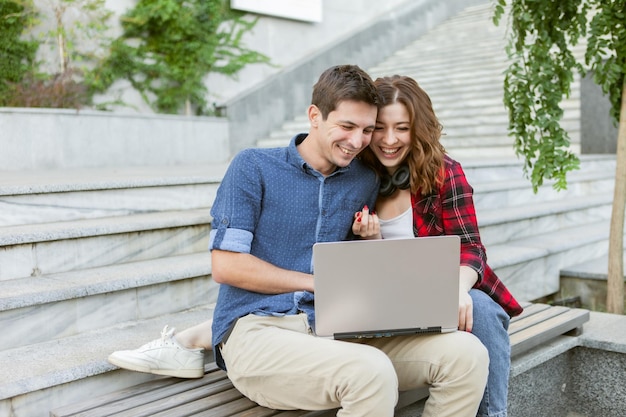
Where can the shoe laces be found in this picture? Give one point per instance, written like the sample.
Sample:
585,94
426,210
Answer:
167,333
166,338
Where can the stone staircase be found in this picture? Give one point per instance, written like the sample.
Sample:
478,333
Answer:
460,64
92,260
97,260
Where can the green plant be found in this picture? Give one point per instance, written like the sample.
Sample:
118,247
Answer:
541,36
168,47
72,29
77,32
17,55
60,92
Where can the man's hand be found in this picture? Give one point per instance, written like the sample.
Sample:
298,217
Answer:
366,224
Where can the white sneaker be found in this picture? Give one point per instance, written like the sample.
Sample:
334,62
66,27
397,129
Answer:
164,356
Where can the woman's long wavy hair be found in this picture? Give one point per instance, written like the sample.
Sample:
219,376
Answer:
425,158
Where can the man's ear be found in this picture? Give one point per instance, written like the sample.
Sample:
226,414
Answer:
314,114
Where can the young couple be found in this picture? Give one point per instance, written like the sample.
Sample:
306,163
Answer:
274,204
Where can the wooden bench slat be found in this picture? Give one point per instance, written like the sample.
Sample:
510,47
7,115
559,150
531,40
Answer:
257,412
230,408
531,337
197,404
150,404
534,319
301,413
147,392
99,401
529,310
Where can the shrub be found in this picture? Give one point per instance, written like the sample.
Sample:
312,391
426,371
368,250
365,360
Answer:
16,55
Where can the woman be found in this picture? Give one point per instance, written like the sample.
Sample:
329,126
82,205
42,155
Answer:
424,192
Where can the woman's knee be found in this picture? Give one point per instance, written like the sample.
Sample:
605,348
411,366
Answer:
486,310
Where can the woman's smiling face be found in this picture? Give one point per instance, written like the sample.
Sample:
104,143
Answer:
391,140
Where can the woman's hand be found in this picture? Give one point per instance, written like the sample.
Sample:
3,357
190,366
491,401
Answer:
467,279
366,224
466,311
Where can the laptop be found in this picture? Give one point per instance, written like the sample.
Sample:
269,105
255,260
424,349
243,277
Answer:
386,287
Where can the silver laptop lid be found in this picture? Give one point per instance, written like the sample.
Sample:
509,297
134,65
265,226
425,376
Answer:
375,288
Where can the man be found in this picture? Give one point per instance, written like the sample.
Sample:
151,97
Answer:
271,207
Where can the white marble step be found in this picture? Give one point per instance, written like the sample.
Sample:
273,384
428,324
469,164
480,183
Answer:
531,266
45,375
75,302
524,221
471,130
464,127
62,195
46,248
462,153
455,111
502,194
507,169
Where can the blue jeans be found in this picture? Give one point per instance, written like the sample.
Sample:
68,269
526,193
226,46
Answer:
491,324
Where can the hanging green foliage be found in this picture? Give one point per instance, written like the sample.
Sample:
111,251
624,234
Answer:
541,39
168,47
538,79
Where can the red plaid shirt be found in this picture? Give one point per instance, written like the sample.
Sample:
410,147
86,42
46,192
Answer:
451,212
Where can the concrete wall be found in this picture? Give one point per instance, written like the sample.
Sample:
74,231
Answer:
598,134
32,139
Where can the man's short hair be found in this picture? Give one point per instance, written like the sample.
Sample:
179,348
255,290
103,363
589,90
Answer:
340,83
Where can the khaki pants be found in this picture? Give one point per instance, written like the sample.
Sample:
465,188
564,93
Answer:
278,363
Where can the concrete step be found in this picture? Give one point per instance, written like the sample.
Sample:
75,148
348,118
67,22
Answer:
58,372
72,303
459,106
30,197
46,248
502,194
531,266
524,221
506,169
471,128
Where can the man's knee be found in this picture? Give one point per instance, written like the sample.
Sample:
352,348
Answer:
477,359
470,358
375,367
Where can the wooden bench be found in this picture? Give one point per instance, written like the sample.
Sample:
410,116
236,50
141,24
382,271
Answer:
214,395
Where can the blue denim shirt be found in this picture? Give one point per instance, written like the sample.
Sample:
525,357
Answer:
274,206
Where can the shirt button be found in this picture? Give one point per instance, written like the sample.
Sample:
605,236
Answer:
224,221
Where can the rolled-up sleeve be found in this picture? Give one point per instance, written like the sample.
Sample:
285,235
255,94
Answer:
236,207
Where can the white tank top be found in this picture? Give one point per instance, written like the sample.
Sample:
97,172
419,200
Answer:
399,227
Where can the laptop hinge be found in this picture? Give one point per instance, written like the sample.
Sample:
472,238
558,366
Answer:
386,333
